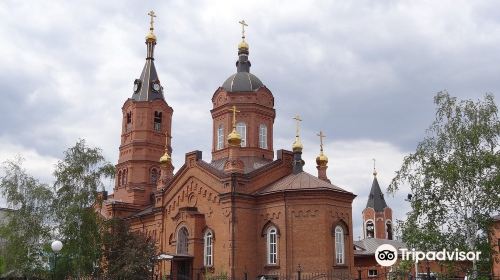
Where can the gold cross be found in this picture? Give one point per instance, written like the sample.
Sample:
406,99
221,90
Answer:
152,15
298,119
321,136
233,109
243,24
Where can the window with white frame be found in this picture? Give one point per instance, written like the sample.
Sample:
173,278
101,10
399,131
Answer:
263,136
339,245
272,245
241,127
220,137
208,248
182,241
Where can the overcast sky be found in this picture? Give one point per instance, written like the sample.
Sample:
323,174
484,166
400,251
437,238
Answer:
364,72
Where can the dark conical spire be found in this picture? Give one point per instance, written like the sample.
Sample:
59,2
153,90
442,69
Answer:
148,87
376,198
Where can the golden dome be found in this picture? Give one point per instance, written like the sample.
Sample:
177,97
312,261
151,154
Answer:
321,160
243,45
234,138
150,36
165,159
297,145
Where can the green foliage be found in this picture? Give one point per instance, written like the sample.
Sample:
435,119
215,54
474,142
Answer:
454,177
27,228
78,179
127,255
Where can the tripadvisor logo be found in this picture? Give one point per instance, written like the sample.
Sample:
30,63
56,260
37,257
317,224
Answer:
387,255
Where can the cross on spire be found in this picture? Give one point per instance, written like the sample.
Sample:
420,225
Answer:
298,120
233,109
243,24
321,136
374,169
152,15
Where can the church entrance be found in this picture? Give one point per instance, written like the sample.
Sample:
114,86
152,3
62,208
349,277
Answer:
183,268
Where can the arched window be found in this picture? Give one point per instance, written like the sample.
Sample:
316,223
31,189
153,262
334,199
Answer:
182,241
220,137
208,252
370,229
124,177
272,245
129,121
388,227
157,121
241,127
263,136
154,176
339,245
119,178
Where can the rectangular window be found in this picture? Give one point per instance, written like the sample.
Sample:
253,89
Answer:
263,136
372,273
129,121
157,121
272,246
242,130
220,137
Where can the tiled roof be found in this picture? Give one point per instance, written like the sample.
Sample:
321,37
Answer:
300,181
368,246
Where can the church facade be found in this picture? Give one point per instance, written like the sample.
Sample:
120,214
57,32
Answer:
245,212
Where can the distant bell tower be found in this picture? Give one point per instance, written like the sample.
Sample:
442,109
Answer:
377,216
146,133
254,122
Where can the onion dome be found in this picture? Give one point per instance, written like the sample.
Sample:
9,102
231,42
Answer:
165,159
322,160
234,138
297,145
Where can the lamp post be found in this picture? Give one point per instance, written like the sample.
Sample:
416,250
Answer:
56,248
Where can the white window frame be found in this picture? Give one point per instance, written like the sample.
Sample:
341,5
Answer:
371,274
241,127
180,241
263,136
220,137
339,245
272,246
208,248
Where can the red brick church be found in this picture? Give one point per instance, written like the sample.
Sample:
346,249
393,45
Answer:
246,210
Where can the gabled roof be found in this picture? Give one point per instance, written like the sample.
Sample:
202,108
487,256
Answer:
368,246
250,163
376,198
298,182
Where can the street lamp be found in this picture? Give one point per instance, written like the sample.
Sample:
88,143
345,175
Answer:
56,248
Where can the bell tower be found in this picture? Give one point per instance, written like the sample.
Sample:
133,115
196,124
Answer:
377,216
146,133
254,122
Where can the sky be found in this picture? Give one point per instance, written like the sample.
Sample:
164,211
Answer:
363,72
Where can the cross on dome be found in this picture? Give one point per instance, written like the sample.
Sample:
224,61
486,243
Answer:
152,15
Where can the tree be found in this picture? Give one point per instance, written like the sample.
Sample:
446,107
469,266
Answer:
27,229
454,177
78,179
127,255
